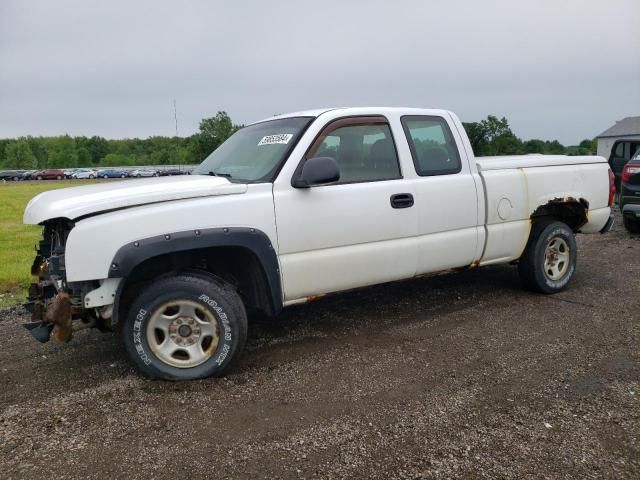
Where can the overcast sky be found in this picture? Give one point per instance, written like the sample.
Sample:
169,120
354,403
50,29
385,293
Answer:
555,69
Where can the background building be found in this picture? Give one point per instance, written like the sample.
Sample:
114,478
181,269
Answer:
625,129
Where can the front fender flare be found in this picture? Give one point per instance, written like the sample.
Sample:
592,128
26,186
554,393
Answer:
132,254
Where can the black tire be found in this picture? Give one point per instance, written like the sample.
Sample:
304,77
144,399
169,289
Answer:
533,267
105,176
15,179
38,177
209,294
632,226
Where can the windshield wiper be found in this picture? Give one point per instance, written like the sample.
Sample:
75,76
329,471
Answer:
219,174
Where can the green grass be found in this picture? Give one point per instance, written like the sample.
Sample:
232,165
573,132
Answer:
17,241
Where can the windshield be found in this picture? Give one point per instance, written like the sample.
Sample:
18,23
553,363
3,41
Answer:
256,152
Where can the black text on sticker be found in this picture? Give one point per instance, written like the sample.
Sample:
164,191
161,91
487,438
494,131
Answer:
272,139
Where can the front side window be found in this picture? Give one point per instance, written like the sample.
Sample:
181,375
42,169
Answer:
363,149
255,153
432,146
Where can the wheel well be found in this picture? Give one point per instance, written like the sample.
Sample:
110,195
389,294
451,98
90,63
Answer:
238,266
575,213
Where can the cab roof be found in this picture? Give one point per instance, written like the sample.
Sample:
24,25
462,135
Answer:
358,111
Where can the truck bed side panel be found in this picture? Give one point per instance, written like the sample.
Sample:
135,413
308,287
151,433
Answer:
514,194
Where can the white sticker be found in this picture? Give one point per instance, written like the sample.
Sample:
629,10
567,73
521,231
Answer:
272,139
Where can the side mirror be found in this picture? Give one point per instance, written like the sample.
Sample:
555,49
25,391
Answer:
317,171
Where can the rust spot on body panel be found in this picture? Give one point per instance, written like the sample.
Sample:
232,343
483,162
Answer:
313,298
59,314
574,212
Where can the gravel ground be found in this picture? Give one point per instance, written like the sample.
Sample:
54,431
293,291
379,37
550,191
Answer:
456,376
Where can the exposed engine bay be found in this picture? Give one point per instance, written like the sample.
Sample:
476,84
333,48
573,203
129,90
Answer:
56,306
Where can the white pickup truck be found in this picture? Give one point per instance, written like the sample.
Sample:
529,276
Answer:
292,208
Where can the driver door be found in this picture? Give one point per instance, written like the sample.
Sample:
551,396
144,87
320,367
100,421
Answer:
353,232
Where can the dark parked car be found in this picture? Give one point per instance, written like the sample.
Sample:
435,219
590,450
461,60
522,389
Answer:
13,175
171,171
621,152
28,175
50,174
630,195
112,173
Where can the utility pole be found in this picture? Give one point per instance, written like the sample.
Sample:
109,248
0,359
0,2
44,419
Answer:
175,115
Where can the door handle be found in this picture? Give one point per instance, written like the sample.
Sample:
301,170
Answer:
402,200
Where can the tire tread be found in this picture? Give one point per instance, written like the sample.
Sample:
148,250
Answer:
196,281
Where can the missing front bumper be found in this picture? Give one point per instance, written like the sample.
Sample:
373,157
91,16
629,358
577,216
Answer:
53,319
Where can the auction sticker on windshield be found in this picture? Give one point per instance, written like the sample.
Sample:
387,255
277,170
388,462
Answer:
273,139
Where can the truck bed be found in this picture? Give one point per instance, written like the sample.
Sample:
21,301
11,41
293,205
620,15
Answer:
515,186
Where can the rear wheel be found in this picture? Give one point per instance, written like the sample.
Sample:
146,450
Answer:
632,226
39,177
549,260
185,327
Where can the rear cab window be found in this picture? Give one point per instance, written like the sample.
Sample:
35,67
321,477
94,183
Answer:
432,145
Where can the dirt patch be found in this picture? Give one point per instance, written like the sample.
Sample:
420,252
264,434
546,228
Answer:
458,376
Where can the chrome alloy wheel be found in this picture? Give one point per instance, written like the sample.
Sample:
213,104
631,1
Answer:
183,333
557,257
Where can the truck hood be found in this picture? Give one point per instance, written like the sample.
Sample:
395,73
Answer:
77,202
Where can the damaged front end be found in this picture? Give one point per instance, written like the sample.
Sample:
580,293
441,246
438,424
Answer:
56,306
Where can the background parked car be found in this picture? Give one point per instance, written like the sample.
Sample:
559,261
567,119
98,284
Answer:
13,175
112,173
630,194
164,172
68,173
84,173
28,175
49,174
621,152
144,172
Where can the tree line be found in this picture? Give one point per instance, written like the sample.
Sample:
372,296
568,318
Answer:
68,152
491,136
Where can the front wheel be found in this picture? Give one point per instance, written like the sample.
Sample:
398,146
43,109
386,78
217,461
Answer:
549,260
185,327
